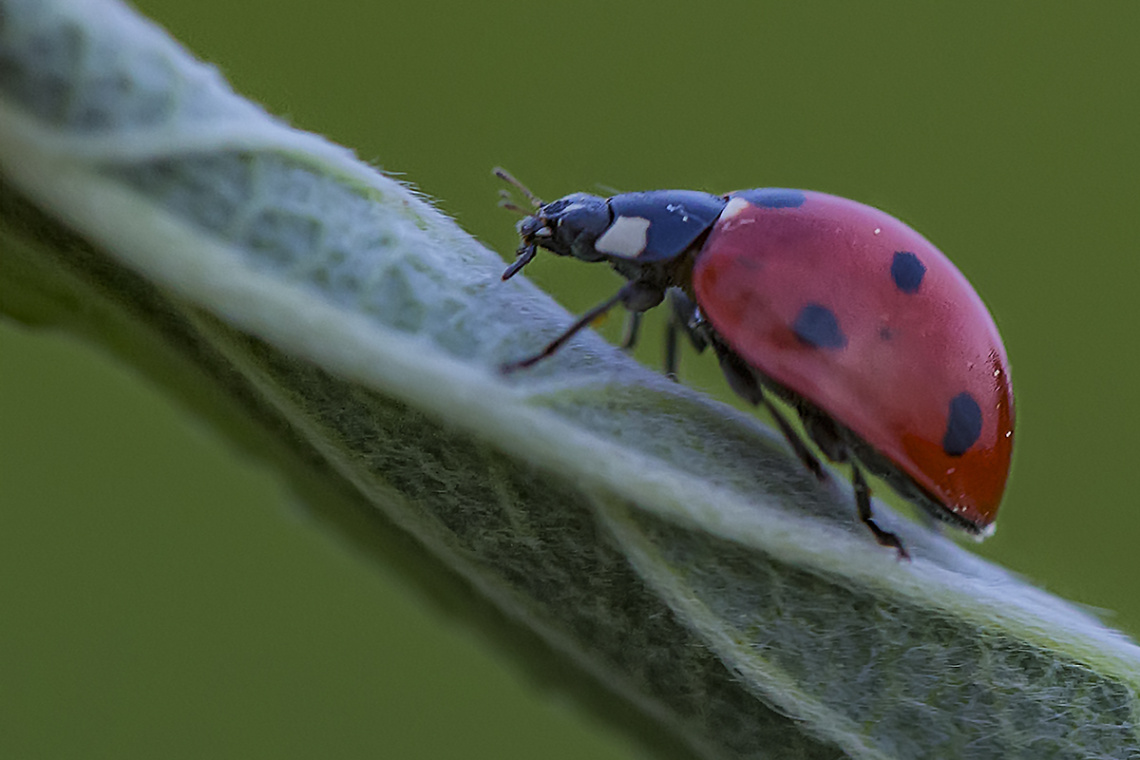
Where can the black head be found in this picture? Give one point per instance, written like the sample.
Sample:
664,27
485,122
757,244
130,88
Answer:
566,227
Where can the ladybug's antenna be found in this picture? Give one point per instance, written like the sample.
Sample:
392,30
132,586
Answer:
505,200
528,249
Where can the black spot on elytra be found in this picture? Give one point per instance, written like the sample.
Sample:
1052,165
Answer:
907,271
963,425
886,333
817,326
772,197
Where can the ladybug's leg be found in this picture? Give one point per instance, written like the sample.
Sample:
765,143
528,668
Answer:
742,380
671,361
632,328
823,430
634,295
683,317
798,446
863,502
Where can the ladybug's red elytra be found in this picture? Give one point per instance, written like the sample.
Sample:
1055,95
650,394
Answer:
880,344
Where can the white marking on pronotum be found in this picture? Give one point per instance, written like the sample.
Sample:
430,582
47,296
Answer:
734,207
625,237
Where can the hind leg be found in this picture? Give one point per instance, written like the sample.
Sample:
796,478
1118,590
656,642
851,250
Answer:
863,503
826,434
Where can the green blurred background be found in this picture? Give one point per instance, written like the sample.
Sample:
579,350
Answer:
162,598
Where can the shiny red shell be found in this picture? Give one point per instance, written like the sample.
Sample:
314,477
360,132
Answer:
901,356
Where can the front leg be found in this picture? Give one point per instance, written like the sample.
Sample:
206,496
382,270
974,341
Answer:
634,295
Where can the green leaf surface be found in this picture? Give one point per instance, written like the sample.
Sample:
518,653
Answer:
660,556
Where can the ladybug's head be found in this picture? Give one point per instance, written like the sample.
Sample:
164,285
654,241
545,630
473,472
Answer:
566,227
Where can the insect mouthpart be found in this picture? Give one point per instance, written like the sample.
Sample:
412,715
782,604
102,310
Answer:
533,228
525,255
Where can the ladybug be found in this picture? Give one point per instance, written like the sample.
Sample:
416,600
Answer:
878,342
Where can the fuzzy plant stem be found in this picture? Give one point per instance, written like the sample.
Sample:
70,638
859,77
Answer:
658,556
